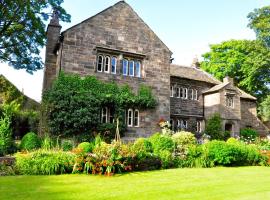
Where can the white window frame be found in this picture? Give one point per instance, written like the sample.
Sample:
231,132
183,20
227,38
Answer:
192,94
139,73
230,101
199,126
183,126
178,124
104,115
185,93
131,62
172,91
138,120
115,68
102,63
127,68
195,93
107,64
130,116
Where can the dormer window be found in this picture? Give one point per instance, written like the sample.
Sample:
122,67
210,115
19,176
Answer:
229,101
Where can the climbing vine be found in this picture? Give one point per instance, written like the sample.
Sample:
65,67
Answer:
73,105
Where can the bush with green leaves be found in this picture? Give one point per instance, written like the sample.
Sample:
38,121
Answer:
232,154
213,128
248,134
67,145
87,147
161,142
142,147
6,141
45,162
183,139
30,141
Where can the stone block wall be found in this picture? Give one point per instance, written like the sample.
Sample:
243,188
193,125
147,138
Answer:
120,28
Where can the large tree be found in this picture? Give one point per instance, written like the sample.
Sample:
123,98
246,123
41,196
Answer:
248,62
259,21
22,30
264,109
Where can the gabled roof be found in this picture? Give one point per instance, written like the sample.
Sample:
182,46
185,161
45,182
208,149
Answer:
123,3
218,87
192,73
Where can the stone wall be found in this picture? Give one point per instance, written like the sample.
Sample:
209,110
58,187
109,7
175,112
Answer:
120,28
250,119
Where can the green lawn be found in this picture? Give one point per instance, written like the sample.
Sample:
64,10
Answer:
249,183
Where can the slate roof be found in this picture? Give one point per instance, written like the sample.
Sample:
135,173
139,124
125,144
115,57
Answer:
192,73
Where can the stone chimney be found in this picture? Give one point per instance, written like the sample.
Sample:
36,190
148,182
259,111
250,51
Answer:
196,63
53,33
228,79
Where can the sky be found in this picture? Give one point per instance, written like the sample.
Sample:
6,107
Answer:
187,27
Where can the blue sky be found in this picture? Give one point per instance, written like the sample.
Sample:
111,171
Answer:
187,27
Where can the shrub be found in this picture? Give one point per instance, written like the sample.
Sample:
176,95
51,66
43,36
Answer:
149,162
30,141
161,142
86,146
67,145
232,140
228,154
6,141
214,128
47,143
248,135
45,162
142,147
183,139
167,159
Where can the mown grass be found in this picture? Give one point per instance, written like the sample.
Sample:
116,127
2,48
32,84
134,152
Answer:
243,183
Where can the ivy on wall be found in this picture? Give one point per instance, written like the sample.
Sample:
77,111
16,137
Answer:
73,105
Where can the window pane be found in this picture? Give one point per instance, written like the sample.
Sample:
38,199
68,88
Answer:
114,64
138,69
171,91
100,63
185,93
104,114
136,118
177,92
107,64
131,68
130,117
125,67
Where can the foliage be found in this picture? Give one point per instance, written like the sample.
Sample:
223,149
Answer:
142,147
214,128
167,159
87,147
161,142
183,139
232,154
22,31
30,141
8,92
44,162
47,143
244,60
73,104
263,144
248,134
67,145
259,21
264,109
6,142
7,170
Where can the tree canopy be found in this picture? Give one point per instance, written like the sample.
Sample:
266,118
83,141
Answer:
247,61
264,109
259,21
22,31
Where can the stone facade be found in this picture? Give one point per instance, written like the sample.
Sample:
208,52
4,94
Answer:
118,32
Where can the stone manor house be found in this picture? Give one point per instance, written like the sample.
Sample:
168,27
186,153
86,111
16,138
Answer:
117,45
